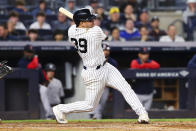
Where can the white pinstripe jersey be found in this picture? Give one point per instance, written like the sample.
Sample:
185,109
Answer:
88,44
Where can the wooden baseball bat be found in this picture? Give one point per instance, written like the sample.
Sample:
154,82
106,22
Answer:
66,12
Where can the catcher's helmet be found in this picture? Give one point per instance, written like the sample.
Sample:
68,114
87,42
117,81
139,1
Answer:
83,15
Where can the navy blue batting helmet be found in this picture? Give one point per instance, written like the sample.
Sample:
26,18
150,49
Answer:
83,15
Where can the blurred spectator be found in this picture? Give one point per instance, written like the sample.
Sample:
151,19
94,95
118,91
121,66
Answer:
130,31
58,35
156,32
97,21
4,35
40,23
33,35
94,4
14,18
71,6
53,93
114,19
190,22
144,34
11,30
128,13
42,8
190,10
101,12
144,88
142,3
143,20
115,35
62,23
123,3
171,35
20,7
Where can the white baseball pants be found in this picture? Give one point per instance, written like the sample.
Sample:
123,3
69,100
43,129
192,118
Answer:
95,82
97,113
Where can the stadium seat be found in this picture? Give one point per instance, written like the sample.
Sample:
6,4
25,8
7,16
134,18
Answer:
21,32
47,37
25,17
65,32
27,23
9,8
23,38
3,17
42,32
50,18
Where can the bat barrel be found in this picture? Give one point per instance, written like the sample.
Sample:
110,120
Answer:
66,12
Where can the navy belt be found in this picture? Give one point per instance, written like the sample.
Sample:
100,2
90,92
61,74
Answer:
98,67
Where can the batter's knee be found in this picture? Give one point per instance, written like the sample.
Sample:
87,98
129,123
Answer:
90,108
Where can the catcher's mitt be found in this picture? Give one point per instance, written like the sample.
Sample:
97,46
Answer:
4,69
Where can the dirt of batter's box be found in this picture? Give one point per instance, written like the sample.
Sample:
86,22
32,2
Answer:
100,126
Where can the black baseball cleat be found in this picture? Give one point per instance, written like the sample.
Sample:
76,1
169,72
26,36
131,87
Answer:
143,122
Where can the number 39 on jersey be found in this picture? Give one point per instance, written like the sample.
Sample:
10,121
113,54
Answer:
80,45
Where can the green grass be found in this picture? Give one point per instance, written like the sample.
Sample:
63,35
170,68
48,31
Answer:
104,120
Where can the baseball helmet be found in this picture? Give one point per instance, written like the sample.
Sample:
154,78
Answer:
105,46
83,15
50,67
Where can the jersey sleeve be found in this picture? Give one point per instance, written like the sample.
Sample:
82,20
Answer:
69,35
100,33
70,32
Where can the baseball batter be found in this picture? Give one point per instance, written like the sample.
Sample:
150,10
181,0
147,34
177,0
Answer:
97,73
